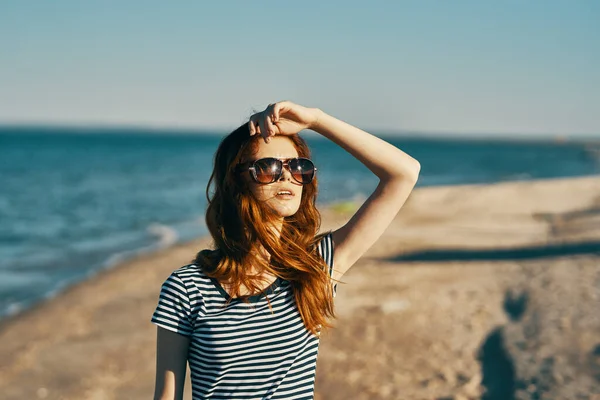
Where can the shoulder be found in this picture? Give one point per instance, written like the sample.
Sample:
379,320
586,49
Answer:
190,282
188,270
189,276
325,246
324,241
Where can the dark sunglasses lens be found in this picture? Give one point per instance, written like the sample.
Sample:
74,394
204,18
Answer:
302,169
267,169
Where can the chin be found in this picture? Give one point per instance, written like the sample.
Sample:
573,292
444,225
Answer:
285,211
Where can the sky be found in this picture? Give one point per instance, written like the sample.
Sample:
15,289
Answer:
520,68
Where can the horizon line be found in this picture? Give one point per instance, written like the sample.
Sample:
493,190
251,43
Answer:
107,127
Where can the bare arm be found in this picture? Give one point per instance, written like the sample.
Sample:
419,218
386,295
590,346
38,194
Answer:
397,172
171,360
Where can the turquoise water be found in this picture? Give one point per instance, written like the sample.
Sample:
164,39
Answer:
73,202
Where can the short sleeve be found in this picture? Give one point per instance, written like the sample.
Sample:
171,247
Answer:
326,248
173,310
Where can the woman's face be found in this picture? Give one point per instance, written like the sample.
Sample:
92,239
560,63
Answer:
284,205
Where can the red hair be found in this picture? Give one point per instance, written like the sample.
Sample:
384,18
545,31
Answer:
238,223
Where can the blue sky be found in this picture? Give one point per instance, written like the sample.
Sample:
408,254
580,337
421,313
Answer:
476,67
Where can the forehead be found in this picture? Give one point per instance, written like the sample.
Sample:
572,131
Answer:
279,147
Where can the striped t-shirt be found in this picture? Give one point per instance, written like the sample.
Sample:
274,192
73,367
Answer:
242,351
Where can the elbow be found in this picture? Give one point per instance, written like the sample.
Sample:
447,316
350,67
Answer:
410,173
402,180
416,169
404,172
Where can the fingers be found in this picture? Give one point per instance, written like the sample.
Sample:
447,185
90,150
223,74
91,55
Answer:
265,123
253,125
262,123
270,127
270,118
277,108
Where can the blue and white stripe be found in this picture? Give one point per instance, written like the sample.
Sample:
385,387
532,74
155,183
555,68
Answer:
241,351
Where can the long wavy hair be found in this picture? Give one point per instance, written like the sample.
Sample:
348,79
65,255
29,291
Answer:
239,225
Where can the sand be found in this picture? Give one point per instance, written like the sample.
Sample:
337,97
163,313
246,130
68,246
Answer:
474,291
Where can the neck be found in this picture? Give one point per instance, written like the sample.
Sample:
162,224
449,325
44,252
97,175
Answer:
275,228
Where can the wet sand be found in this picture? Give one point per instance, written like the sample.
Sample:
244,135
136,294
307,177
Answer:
473,289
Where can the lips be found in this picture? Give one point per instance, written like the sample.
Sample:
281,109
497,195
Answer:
291,192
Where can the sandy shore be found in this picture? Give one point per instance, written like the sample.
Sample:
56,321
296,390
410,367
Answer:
473,288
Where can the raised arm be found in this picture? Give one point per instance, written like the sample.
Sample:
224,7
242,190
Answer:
397,172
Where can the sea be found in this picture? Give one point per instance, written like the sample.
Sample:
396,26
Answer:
77,200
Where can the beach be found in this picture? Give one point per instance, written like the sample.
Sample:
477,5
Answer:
473,289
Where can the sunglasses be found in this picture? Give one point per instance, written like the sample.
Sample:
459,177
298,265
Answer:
269,170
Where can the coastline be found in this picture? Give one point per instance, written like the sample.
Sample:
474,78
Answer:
167,237
413,314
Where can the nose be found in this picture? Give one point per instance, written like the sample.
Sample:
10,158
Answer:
286,173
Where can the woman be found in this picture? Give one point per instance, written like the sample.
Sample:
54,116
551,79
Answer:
247,314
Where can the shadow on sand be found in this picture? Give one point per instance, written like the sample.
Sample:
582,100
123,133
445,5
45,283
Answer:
497,366
522,253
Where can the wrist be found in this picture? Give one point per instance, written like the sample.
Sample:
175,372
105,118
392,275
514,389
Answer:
318,117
